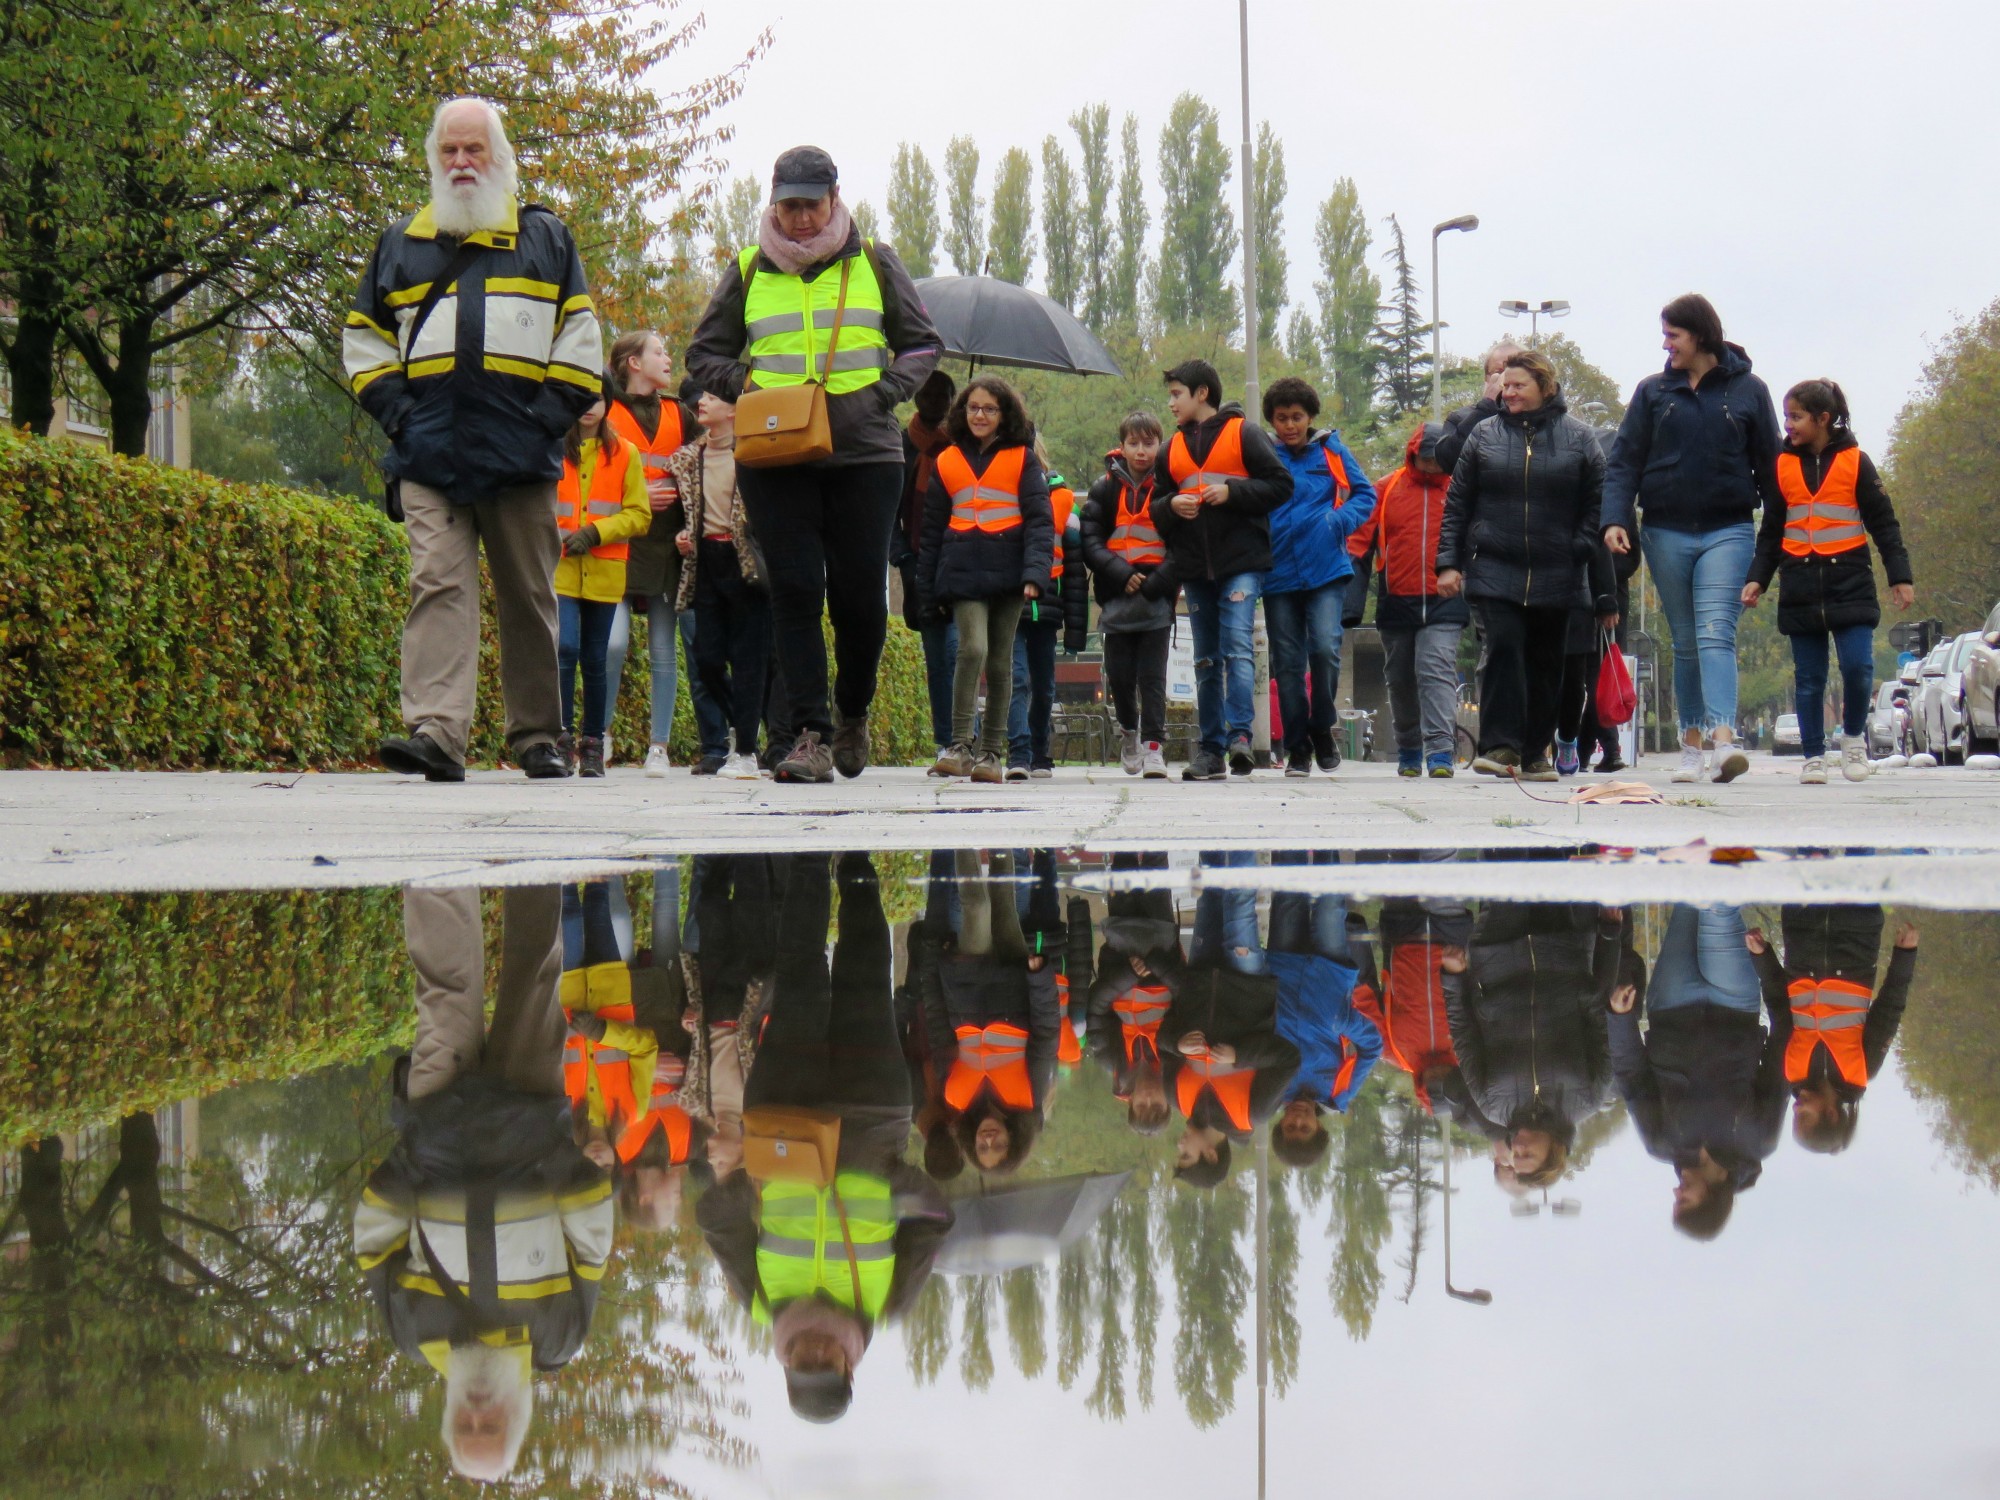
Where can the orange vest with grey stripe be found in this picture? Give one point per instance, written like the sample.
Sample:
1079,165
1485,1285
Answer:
1828,1013
576,509
989,502
1231,1087
613,1066
1133,536
663,1113
1825,521
654,448
990,1057
1224,461
1140,1011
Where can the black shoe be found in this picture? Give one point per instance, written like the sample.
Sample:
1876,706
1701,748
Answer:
1242,760
1206,766
1299,762
1612,762
590,756
544,762
708,765
419,756
1326,751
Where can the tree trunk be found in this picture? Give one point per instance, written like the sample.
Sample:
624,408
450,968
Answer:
131,388
139,1166
31,354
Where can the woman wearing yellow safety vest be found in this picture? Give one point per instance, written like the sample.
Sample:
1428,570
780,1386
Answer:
824,525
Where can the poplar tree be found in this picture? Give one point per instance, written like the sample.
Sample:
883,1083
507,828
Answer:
965,210
1350,296
1011,241
1059,223
1133,219
913,209
1268,170
734,216
1096,230
1197,230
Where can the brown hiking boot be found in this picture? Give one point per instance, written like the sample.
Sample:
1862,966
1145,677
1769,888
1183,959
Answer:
955,760
590,756
850,745
809,761
986,768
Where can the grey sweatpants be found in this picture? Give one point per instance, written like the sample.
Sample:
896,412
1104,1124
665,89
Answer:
1422,671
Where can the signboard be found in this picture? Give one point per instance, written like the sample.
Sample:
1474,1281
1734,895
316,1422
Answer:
1180,665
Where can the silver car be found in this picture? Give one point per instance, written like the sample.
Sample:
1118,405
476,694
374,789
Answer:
1944,702
1889,720
1930,674
1979,689
1785,736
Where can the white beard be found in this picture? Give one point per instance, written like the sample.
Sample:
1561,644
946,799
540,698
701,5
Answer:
460,211
498,1376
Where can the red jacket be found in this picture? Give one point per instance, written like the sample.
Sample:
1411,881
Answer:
1403,532
1410,1012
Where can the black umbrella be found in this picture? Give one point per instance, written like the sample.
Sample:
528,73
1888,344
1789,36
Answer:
998,323
1024,1223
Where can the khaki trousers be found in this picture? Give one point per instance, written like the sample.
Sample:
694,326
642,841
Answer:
524,1046
441,632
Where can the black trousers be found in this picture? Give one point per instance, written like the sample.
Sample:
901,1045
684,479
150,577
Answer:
825,535
1579,670
732,639
1519,693
1135,665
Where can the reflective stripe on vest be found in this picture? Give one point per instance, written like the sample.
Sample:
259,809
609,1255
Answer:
1133,537
1828,1013
1231,1087
1224,461
801,1250
781,349
995,1057
1062,499
1140,1011
1825,521
656,447
605,499
989,502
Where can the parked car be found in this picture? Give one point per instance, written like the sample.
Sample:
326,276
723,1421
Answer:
1889,720
1930,675
1980,689
1785,737
1944,702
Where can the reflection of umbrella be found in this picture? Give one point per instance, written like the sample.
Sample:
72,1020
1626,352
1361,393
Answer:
1024,1224
999,323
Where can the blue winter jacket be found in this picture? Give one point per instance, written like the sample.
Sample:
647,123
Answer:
1308,536
1315,1011
1695,458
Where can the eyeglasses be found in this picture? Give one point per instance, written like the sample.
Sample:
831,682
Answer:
982,411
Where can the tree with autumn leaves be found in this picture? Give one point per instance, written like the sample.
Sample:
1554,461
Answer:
181,170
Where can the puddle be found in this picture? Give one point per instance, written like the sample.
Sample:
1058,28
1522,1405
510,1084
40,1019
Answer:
1155,1170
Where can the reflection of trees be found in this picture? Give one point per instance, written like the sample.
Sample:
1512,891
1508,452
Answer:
202,1330
1950,1039
1212,1288
1022,1292
1358,1218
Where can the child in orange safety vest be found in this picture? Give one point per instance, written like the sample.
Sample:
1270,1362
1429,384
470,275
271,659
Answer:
1128,999
1822,998
1124,550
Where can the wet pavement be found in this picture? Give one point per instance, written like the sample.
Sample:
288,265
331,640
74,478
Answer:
995,1171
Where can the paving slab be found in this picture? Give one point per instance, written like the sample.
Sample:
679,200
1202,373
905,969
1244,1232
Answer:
70,831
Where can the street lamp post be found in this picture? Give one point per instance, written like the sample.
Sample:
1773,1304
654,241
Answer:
1466,222
1250,318
1534,312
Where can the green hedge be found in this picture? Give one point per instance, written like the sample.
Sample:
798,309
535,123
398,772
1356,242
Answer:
154,617
115,1004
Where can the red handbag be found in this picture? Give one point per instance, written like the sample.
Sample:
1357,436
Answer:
1617,699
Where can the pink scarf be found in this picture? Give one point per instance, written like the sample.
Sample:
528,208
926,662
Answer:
793,256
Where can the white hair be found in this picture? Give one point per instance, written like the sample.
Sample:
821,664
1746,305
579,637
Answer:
1500,351
478,1375
460,211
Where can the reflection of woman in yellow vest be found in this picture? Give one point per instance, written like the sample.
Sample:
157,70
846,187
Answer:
1822,998
600,506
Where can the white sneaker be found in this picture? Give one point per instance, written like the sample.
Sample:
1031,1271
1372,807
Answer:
1132,754
1692,766
1730,761
1155,764
740,768
1854,758
1813,772
657,763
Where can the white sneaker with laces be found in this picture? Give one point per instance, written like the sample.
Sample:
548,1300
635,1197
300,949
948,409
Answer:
1813,772
740,768
657,764
1693,764
1131,754
1854,758
1154,766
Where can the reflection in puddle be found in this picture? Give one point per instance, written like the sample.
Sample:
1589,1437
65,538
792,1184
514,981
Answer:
793,1173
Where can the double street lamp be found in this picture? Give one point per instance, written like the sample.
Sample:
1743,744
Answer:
1534,313
1467,222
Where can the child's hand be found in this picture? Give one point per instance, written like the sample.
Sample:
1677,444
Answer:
1136,582
1139,966
1223,1055
1906,934
1193,1044
1753,939
1215,494
1752,592
1030,591
1187,507
685,541
1903,595
1623,999
1035,962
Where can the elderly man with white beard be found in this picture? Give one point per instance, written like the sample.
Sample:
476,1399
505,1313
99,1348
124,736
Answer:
473,343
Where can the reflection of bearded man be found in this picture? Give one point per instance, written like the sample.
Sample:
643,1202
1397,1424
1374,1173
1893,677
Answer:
467,193
488,1400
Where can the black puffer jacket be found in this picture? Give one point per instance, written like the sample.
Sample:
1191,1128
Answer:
1520,518
1704,1077
1065,601
1818,593
955,565
1695,458
1458,427
1223,540
1118,612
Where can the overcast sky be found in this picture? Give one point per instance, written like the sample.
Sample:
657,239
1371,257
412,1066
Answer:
1820,171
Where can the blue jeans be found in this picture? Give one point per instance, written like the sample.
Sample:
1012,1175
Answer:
583,631
1034,689
1855,646
1222,612
1703,962
1700,578
1225,921
940,661
1305,651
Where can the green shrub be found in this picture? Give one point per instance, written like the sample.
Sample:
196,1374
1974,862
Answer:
155,617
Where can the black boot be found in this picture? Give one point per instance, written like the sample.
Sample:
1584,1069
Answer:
590,756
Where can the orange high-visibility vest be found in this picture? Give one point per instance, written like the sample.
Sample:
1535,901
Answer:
574,509
1825,521
1338,472
1069,1051
1224,461
613,1066
1231,1087
1140,1011
1132,536
988,502
1828,1013
1063,499
670,1119
994,1057
655,447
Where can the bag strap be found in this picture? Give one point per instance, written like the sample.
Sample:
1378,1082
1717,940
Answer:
839,312
847,1239
461,262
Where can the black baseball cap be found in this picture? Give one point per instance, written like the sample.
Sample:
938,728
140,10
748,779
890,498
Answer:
803,172
819,1395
